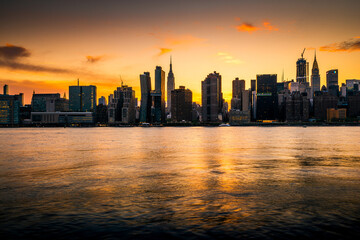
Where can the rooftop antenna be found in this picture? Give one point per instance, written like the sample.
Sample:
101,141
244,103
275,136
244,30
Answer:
78,82
122,83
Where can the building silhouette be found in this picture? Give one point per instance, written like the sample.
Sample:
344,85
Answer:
266,108
159,96
212,98
10,107
332,81
82,98
237,87
181,101
145,105
315,77
302,70
170,86
121,108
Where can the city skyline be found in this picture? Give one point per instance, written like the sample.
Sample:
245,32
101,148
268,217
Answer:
103,43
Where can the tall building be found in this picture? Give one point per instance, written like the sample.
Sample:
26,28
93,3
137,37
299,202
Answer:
159,96
212,98
302,70
82,98
121,107
253,85
266,108
44,102
9,109
315,77
237,87
170,86
322,102
145,105
297,107
181,100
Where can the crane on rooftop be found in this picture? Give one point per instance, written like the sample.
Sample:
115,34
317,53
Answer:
302,55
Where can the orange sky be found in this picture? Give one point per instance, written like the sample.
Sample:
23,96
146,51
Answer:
98,43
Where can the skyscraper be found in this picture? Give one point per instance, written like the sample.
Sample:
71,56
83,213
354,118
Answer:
302,70
237,87
266,108
6,89
122,105
212,98
170,86
315,77
145,107
332,81
159,95
82,98
181,104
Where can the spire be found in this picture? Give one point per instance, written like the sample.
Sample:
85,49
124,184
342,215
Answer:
315,65
170,63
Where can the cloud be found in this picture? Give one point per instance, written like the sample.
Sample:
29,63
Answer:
30,67
228,58
164,51
250,28
94,59
269,27
345,46
12,52
247,27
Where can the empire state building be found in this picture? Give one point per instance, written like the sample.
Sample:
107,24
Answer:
170,86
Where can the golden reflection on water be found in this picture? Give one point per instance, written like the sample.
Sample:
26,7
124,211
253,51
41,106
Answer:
195,177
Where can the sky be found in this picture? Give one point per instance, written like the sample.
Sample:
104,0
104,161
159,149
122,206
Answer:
45,46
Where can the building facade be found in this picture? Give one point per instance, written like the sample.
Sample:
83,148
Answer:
181,109
266,108
82,98
159,96
211,98
315,78
170,86
121,108
145,105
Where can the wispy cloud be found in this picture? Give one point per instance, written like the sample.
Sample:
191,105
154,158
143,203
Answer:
94,59
164,51
250,28
345,46
247,27
228,58
12,52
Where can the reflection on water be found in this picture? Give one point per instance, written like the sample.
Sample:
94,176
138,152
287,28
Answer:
248,182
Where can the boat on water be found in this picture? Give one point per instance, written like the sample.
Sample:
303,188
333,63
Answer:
224,125
145,124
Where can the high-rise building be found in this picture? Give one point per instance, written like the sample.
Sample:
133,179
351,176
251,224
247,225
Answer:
332,78
82,98
237,87
170,86
315,77
145,105
212,98
302,70
297,107
9,109
266,108
44,102
322,102
159,96
181,101
121,107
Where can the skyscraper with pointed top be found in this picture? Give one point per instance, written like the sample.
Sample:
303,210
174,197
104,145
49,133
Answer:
315,77
170,86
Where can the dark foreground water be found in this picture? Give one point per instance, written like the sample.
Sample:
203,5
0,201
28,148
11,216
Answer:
180,183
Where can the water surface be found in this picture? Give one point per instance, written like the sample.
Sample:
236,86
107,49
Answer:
184,183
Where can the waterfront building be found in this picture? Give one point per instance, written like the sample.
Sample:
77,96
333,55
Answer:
336,114
297,107
212,98
266,97
238,117
9,109
322,102
54,118
101,114
159,96
352,84
170,86
82,98
145,105
181,101
121,108
315,78
6,89
44,102
353,100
